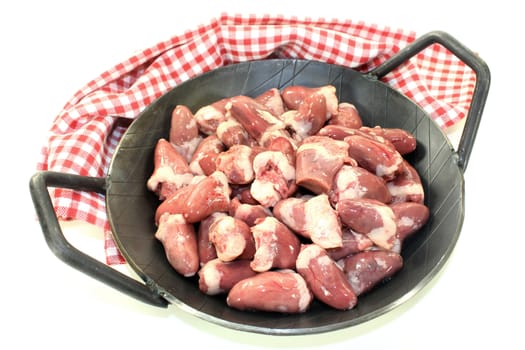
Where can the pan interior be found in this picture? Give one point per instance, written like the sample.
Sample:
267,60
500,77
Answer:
131,207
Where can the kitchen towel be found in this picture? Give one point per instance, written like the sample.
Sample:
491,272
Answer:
84,135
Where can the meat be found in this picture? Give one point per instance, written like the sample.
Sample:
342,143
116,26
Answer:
370,217
283,198
353,182
180,243
171,170
254,117
339,132
291,211
205,246
274,178
272,100
210,116
366,269
249,213
184,132
318,159
322,223
313,218
377,157
243,195
230,132
231,238
203,161
308,118
294,96
403,141
218,277
236,164
353,242
199,200
283,291
347,116
406,186
280,140
325,278
276,246
410,217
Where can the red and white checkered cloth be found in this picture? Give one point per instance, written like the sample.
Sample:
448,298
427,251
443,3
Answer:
84,135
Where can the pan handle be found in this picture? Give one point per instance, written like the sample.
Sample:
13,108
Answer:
468,57
58,244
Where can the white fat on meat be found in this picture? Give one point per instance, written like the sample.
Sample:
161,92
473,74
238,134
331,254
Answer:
206,117
385,235
166,221
299,124
224,187
332,102
196,179
245,165
208,112
187,148
269,224
406,221
403,191
195,166
322,223
239,161
347,184
346,105
312,251
268,117
165,174
384,170
264,192
226,125
303,296
229,246
336,147
324,152
212,277
263,188
265,246
287,212
271,134
382,264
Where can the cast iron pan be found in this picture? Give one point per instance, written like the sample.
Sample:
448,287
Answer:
131,207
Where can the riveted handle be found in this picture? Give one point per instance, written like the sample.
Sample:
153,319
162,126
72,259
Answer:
59,245
468,57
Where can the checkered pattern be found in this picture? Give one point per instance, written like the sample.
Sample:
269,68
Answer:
84,135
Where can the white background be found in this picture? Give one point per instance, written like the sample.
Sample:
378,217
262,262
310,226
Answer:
50,49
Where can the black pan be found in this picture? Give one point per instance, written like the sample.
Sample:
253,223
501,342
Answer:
131,207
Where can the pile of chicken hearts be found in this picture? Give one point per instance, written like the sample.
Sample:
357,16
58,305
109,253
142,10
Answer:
284,198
